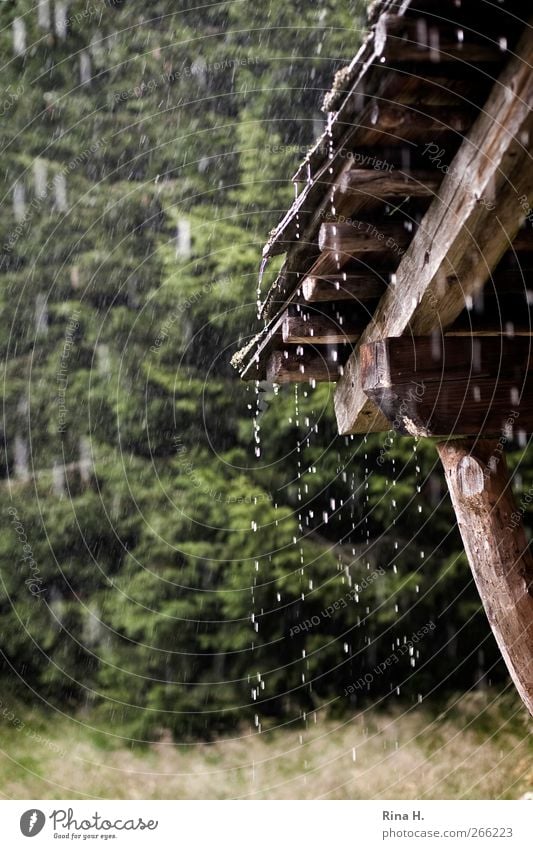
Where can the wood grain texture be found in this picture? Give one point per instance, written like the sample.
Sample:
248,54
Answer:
343,287
289,366
320,329
497,550
451,386
358,237
387,184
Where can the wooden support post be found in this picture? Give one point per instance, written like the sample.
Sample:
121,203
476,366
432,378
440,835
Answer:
497,550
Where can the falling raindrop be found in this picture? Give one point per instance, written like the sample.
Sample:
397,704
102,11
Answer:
41,315
21,464
60,192
85,67
39,177
19,36
61,19
183,239
19,202
43,14
58,479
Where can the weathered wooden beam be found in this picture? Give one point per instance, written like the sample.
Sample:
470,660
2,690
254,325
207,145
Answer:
497,550
359,237
460,239
401,359
343,287
291,366
321,329
355,237
387,184
435,386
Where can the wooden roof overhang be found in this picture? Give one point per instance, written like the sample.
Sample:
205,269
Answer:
380,240
408,266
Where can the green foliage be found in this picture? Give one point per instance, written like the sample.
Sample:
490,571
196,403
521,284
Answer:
180,548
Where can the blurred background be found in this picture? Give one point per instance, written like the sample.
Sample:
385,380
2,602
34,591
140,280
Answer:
205,592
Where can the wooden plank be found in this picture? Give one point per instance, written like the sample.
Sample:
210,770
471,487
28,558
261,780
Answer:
482,328
434,386
291,366
497,550
401,359
321,329
325,330
460,240
255,366
358,237
461,408
389,184
501,315
343,287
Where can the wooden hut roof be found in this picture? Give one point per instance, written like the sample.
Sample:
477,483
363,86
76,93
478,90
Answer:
414,198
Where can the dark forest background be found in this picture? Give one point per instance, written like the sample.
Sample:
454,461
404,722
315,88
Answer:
184,551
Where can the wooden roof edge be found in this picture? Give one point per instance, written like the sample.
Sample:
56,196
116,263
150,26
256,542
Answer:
278,298
349,75
365,59
244,359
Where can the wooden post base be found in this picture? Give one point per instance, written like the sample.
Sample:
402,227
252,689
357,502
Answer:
497,550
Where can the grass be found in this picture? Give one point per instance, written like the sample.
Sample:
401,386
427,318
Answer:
479,747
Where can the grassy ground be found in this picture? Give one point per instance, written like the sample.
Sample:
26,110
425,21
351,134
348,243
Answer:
479,747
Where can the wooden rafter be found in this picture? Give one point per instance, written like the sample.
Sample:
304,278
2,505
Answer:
434,386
